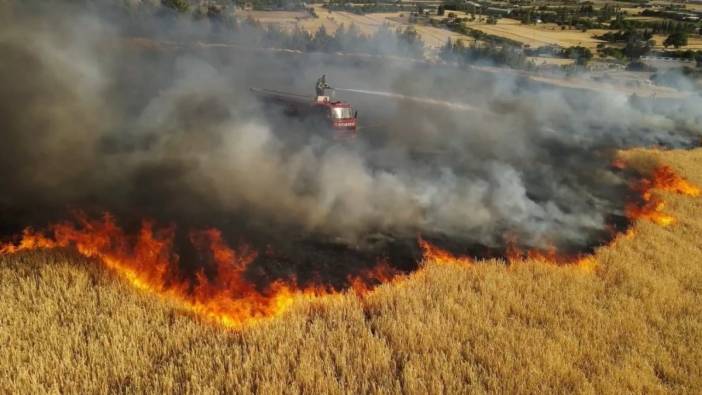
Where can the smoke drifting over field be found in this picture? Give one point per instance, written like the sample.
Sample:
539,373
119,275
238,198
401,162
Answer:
96,119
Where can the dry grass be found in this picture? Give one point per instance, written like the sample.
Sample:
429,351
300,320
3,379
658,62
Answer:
539,35
541,60
619,86
551,34
694,42
367,24
633,324
532,35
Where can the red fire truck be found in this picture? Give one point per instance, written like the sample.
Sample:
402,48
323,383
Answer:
338,115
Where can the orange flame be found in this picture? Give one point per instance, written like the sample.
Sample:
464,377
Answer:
432,253
148,262
662,178
618,163
381,273
665,179
513,255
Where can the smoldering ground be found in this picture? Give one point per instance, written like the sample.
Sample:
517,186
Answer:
96,117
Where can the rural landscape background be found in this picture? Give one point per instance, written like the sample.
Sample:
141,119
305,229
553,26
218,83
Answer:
518,212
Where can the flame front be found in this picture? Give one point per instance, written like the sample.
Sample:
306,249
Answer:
649,207
662,178
148,261
432,253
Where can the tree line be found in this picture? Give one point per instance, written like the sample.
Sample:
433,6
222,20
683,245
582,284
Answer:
489,52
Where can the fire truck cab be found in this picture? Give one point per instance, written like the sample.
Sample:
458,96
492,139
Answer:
336,115
340,114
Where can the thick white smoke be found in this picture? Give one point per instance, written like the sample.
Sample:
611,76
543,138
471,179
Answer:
94,117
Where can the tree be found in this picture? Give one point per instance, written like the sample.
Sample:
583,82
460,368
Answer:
581,55
323,42
440,10
177,5
409,42
676,39
213,12
446,52
299,39
636,46
638,65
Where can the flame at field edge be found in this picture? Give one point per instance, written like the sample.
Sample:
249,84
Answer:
148,263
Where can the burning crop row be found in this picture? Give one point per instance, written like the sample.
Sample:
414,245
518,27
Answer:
649,206
148,260
662,178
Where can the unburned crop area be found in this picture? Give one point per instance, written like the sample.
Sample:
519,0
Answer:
435,37
693,42
541,34
630,322
366,24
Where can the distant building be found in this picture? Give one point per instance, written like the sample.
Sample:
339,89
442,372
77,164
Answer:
498,11
681,15
605,66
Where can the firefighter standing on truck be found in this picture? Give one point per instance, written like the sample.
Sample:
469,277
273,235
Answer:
322,85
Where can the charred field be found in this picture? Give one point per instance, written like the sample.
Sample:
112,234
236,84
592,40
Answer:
163,230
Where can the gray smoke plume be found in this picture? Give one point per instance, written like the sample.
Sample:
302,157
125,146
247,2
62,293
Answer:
98,114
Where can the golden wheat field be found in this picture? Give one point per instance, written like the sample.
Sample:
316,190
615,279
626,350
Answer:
629,323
